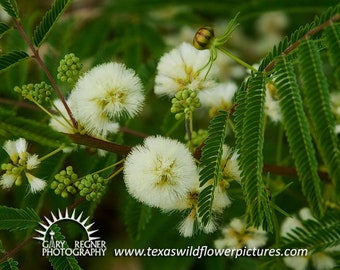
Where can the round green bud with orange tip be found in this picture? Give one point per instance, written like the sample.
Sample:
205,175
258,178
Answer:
203,38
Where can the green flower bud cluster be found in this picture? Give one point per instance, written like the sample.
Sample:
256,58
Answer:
66,182
39,92
69,69
92,187
184,103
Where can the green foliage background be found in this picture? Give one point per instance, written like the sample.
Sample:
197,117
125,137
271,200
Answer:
134,32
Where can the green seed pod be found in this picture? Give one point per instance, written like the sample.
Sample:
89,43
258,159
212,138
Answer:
203,38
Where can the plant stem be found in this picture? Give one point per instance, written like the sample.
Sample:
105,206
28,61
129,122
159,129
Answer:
52,153
37,57
238,60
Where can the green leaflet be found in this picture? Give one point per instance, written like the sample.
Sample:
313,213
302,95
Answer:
17,219
10,264
210,165
15,126
48,21
137,216
316,235
11,58
317,98
250,136
3,28
331,36
239,113
10,6
298,135
62,262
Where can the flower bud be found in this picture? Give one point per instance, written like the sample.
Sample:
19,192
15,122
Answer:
203,38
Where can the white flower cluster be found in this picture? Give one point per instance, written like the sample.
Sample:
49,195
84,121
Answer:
162,173
320,260
238,235
21,163
100,98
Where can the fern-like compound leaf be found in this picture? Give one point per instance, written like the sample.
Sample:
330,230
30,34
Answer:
250,136
316,235
137,217
316,93
298,134
17,219
49,20
62,262
210,165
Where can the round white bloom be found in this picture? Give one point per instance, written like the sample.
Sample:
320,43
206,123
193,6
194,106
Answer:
161,172
103,95
184,67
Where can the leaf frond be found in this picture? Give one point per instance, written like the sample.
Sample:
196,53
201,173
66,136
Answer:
316,93
210,165
48,21
316,235
250,137
62,262
298,135
17,219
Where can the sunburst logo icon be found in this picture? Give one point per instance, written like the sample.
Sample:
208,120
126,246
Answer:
93,246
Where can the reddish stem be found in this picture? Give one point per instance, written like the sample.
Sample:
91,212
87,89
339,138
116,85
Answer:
41,63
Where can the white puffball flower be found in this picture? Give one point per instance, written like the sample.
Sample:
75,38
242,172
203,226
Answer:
103,95
184,67
160,172
238,235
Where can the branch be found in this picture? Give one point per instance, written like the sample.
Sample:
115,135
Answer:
101,144
310,33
